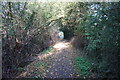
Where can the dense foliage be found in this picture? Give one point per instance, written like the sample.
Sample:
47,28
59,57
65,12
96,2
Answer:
100,26
94,26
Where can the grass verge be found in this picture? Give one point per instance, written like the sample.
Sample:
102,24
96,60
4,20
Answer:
47,50
83,65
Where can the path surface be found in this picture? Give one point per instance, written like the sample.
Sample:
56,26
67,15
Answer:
58,63
62,66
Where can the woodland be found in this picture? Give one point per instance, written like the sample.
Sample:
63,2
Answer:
31,47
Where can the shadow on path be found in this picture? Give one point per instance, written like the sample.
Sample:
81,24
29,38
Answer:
62,64
58,63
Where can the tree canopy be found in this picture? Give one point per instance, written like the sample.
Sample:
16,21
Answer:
27,29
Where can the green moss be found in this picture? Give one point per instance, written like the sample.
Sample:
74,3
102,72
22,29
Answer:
47,50
83,66
39,64
20,69
37,77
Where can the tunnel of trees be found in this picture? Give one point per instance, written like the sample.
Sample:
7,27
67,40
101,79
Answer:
27,28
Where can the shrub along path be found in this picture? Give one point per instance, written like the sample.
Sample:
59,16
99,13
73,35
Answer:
55,63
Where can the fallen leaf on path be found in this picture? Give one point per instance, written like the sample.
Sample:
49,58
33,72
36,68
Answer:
42,68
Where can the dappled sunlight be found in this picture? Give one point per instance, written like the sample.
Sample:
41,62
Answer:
45,55
23,74
59,46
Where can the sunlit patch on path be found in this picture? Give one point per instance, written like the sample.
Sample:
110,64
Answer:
57,63
56,47
61,45
62,65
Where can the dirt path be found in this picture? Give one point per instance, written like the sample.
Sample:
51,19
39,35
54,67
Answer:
62,66
58,63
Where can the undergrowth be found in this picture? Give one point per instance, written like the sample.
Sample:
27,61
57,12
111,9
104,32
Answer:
83,66
47,50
